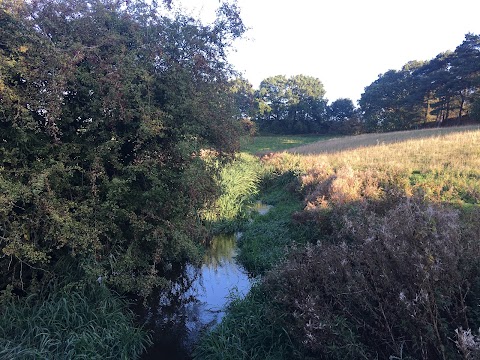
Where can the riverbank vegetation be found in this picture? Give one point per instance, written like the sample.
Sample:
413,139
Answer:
342,289
74,321
120,124
105,108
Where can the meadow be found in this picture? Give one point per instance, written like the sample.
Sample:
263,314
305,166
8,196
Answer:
264,144
338,144
348,215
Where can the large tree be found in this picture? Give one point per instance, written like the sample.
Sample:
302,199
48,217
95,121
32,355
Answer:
291,105
343,117
392,102
104,108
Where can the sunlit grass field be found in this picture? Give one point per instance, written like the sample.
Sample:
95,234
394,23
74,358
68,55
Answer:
265,144
333,145
444,150
444,164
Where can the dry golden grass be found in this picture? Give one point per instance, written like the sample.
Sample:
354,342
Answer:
432,149
445,164
367,140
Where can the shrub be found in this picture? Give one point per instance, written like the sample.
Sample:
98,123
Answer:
397,281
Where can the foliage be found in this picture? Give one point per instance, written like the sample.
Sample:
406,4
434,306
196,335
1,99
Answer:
104,108
438,90
239,182
344,118
75,321
267,237
291,106
367,212
393,309
243,98
247,332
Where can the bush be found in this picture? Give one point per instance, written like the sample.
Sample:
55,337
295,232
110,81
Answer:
397,281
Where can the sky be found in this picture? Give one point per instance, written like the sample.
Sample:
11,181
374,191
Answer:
344,43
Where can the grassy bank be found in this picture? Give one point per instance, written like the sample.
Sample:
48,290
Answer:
76,321
335,145
363,214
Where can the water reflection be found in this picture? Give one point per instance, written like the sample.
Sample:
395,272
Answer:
261,208
221,251
196,302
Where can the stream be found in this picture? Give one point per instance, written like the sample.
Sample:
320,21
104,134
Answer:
197,299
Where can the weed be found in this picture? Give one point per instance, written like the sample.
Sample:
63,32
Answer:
356,298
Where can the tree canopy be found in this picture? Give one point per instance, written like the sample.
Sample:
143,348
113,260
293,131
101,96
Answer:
291,105
446,87
104,108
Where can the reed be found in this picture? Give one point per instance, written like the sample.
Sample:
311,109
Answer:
239,182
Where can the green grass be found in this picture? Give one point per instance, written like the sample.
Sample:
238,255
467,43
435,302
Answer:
75,322
247,333
266,238
239,181
265,144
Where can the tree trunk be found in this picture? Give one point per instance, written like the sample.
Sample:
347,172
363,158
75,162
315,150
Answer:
462,103
447,113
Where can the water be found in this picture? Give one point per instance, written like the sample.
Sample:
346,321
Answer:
197,299
261,208
196,302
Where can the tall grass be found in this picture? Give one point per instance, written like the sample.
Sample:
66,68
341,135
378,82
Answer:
445,167
247,333
75,322
239,181
266,237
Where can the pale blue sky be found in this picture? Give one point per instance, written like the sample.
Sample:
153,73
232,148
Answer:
344,43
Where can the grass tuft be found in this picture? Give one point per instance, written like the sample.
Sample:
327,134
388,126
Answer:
75,322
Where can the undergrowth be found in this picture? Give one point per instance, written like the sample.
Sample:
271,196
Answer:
267,238
247,333
379,260
76,321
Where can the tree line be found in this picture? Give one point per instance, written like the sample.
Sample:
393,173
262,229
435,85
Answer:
443,90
